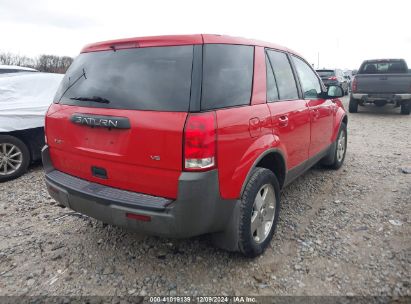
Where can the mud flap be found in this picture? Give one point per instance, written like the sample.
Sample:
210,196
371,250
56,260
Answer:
228,239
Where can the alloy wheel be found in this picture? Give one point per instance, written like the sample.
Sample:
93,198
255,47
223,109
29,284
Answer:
11,158
263,213
341,146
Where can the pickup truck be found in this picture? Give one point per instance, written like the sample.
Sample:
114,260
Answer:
380,82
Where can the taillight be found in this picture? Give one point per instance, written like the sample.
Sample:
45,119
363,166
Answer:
200,142
332,78
354,85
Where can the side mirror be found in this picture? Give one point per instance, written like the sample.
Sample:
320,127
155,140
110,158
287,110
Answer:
334,91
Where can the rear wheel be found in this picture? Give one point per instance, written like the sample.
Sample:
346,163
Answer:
14,157
259,210
405,108
353,105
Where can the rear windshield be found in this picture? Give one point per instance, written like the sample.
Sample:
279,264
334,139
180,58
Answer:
326,73
155,78
383,67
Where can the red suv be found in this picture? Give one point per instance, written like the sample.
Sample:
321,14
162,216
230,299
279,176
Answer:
179,136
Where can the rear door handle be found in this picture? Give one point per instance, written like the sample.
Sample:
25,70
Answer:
283,121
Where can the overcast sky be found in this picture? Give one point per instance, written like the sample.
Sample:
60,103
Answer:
343,32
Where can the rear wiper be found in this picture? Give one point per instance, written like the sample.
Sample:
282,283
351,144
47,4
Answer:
93,98
75,81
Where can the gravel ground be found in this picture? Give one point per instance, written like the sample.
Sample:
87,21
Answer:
343,232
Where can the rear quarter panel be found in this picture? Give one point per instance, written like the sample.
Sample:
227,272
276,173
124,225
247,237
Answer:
237,150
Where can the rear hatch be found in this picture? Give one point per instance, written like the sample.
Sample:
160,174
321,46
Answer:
327,76
118,118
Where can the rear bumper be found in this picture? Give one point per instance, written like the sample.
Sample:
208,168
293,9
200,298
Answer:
197,210
387,97
328,83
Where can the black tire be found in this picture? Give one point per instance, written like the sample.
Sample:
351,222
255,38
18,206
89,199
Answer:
353,105
405,108
334,160
25,157
247,243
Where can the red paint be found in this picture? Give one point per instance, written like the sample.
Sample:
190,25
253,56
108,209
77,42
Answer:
236,149
126,154
322,122
291,125
150,156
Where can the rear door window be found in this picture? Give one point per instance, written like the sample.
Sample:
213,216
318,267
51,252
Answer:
154,78
287,87
227,75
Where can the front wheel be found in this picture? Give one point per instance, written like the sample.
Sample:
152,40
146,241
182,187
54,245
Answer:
259,211
336,156
405,108
14,157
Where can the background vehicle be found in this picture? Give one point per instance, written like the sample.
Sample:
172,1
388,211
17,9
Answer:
186,135
24,99
382,81
334,77
5,69
348,75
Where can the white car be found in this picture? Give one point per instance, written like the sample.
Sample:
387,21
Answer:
5,69
24,99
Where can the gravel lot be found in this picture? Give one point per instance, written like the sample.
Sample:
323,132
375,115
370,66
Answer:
343,232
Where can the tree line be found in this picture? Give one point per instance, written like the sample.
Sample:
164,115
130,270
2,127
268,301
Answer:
42,63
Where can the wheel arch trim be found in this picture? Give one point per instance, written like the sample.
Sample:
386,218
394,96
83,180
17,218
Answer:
258,159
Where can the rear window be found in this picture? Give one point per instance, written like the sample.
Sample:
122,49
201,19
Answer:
155,78
325,73
227,75
383,67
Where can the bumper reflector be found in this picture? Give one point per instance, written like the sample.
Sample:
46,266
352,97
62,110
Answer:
138,217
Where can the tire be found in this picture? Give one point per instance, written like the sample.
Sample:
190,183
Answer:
336,156
353,105
263,183
12,146
405,108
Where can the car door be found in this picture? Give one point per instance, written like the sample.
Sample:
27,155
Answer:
290,114
321,110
